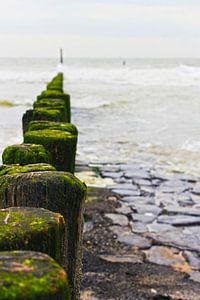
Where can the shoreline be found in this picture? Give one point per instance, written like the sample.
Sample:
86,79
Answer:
125,256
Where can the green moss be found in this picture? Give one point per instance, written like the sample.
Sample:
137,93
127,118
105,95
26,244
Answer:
56,83
13,169
24,154
26,275
53,94
40,125
42,113
34,229
59,192
61,145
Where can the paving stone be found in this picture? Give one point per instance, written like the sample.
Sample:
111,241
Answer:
126,192
174,186
179,220
131,239
159,227
124,186
145,208
168,257
193,259
141,181
195,276
127,258
112,175
138,227
143,218
124,209
177,238
188,211
138,199
118,219
134,173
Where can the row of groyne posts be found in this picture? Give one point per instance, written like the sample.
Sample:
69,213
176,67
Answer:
41,201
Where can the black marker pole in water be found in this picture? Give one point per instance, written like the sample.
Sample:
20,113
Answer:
61,56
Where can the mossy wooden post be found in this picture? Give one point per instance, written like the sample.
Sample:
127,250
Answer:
40,125
56,83
54,94
41,113
14,169
59,192
25,154
28,275
36,229
60,144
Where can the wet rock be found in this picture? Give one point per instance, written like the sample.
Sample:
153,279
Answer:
112,175
143,218
138,227
193,259
177,238
159,227
188,211
140,181
124,186
138,199
167,256
196,190
126,258
174,186
195,276
145,208
123,192
135,173
131,239
118,219
124,209
179,220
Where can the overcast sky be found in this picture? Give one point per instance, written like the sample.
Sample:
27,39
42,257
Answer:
100,28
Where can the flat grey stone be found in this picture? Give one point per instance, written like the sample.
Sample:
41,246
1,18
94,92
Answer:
138,199
159,227
124,186
118,219
188,211
131,239
126,192
145,208
193,259
127,258
112,175
179,220
177,238
170,188
195,276
141,181
138,227
166,256
143,218
196,190
137,174
124,210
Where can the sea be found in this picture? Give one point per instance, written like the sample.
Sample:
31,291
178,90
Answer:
127,110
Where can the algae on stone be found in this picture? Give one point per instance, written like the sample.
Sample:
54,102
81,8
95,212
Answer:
24,154
60,144
39,125
28,275
59,192
36,229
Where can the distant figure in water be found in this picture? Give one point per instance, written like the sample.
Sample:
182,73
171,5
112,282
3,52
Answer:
124,63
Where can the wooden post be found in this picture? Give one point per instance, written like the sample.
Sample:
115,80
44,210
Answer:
61,56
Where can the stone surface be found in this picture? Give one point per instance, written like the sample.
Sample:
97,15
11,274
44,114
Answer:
146,218
138,227
122,258
127,237
159,227
145,208
118,219
179,220
168,257
123,192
